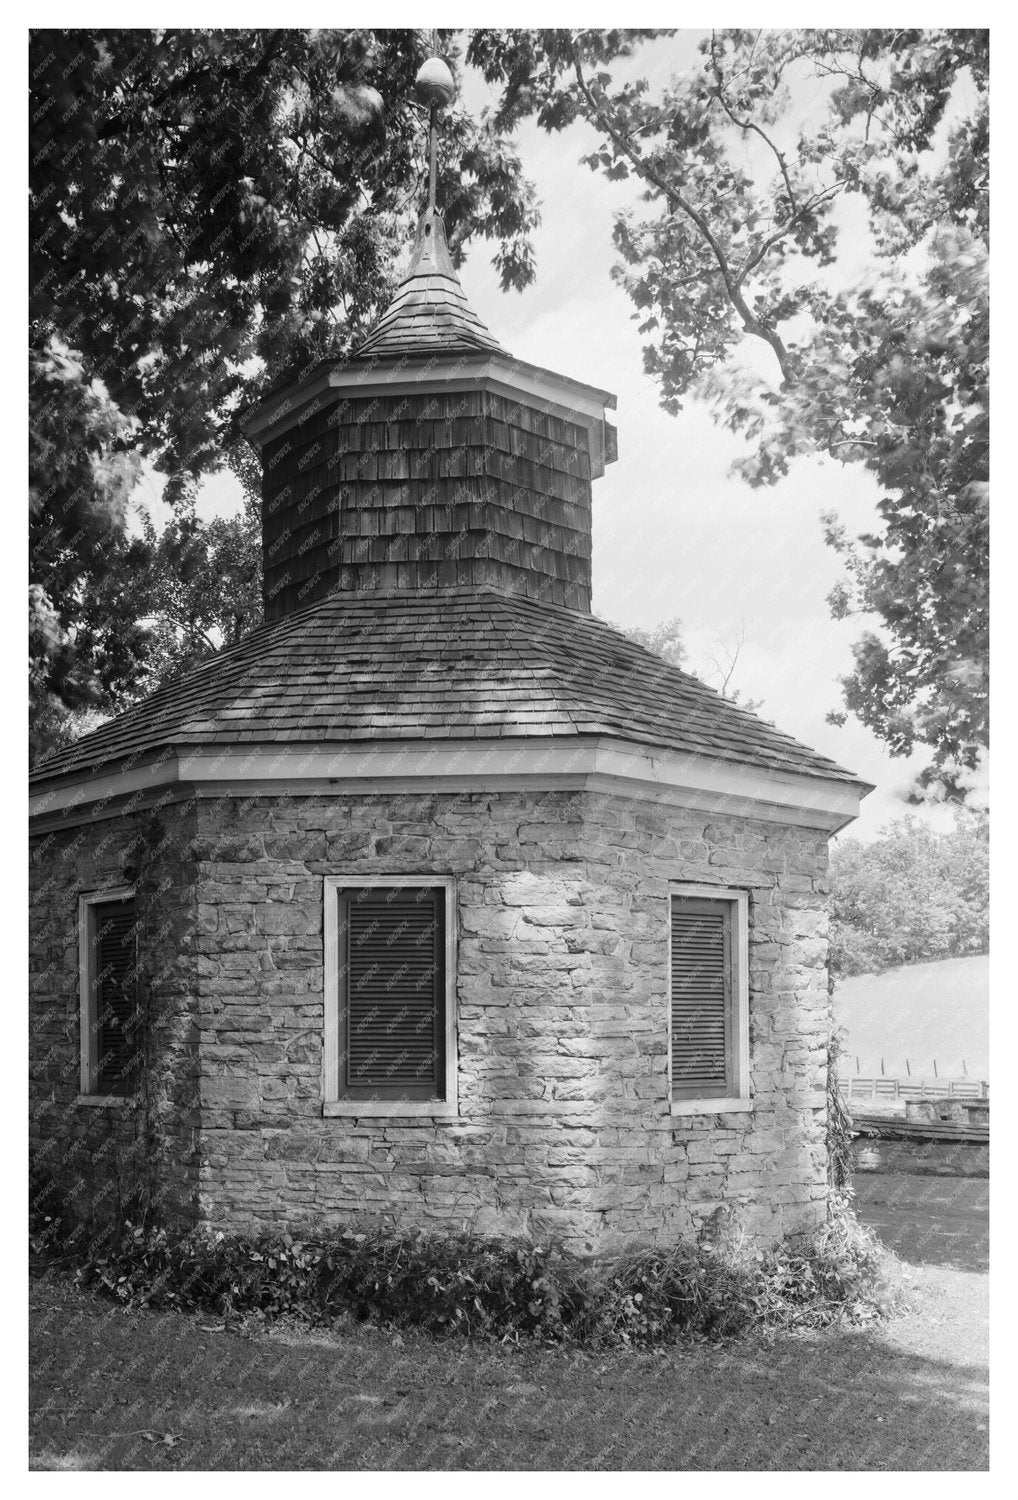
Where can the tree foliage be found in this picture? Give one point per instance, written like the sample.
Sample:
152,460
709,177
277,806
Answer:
201,587
665,640
910,895
83,633
737,243
207,208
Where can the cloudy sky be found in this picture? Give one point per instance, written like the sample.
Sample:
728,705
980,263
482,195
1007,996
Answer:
674,534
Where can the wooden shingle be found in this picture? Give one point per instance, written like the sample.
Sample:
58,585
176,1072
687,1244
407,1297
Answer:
429,311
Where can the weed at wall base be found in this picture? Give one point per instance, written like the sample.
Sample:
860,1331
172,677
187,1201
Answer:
486,1288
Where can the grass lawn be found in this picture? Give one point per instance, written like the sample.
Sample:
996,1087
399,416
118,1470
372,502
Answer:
919,1012
143,1390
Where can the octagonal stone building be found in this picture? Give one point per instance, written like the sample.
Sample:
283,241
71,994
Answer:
437,901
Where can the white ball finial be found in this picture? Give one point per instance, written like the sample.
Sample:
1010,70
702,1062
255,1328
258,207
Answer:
434,83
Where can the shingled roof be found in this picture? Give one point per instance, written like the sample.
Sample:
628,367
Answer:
429,313
442,664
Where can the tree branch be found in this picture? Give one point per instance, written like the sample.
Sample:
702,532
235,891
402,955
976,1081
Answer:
751,324
745,125
779,234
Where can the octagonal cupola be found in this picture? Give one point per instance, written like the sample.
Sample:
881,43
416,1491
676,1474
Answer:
429,459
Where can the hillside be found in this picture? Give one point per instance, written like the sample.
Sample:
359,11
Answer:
919,1012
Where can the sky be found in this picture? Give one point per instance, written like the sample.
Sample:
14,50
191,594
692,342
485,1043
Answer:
675,533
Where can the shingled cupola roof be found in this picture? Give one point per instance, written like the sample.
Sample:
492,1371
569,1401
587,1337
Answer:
429,312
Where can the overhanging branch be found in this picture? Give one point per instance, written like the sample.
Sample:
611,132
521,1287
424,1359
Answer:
672,195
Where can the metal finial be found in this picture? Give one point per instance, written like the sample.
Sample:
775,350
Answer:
435,85
436,88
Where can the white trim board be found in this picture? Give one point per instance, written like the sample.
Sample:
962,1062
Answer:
596,764
737,1039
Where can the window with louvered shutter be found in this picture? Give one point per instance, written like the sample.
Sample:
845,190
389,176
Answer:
702,999
115,997
392,990
108,961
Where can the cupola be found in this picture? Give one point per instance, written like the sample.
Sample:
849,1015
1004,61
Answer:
430,459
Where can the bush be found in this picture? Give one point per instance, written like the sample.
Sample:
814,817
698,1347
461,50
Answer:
838,1275
497,1289
911,895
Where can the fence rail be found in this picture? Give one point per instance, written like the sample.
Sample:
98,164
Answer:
914,1088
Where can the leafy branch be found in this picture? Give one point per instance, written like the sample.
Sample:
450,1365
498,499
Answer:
676,199
733,279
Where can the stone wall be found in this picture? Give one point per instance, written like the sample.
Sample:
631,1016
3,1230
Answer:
564,1125
100,1155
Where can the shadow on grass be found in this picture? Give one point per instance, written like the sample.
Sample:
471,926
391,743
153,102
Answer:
109,1389
934,1221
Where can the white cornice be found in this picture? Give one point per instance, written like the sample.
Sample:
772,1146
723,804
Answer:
596,764
549,392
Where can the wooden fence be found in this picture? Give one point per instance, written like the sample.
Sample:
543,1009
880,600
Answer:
913,1088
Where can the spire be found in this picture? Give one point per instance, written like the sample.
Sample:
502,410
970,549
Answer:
429,313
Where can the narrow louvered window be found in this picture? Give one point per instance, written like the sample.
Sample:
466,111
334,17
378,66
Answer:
708,1023
392,985
110,1035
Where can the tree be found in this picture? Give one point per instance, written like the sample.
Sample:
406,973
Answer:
201,587
81,473
910,895
665,640
737,244
207,208
724,659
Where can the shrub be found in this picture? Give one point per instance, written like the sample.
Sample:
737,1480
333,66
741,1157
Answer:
497,1289
837,1275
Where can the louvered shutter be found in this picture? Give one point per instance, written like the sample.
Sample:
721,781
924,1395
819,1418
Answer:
115,997
394,981
701,998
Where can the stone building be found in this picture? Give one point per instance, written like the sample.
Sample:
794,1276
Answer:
436,901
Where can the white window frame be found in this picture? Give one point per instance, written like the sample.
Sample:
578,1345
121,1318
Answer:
333,1104
738,901
86,996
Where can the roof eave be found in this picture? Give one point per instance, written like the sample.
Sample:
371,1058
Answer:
442,370
592,762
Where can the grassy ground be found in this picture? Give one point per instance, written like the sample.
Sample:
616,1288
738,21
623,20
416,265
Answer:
117,1390
919,1012
932,1221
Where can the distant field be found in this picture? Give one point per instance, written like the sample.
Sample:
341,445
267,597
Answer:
919,1012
